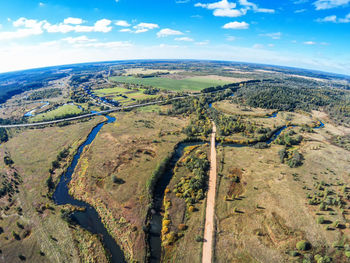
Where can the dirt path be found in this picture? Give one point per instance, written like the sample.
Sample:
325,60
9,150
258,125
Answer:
207,252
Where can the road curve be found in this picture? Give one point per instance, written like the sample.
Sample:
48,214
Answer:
207,253
91,114
105,111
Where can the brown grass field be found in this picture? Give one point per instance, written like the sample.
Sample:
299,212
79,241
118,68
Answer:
129,149
261,218
32,151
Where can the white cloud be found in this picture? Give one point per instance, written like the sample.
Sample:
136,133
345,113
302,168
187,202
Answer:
41,4
224,4
328,4
224,8
250,5
73,21
328,19
334,19
271,45
345,20
229,12
300,11
168,32
102,25
310,43
186,39
28,27
122,23
125,30
236,25
144,27
272,35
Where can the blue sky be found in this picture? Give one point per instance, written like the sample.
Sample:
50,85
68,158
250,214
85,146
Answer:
312,34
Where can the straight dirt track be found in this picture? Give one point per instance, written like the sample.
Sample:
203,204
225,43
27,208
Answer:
207,253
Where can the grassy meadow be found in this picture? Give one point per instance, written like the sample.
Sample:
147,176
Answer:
187,84
59,112
112,174
30,213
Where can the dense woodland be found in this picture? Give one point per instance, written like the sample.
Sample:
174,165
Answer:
45,94
292,94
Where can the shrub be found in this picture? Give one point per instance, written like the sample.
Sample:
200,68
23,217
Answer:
294,253
336,224
182,227
347,254
303,245
117,180
320,220
199,239
8,161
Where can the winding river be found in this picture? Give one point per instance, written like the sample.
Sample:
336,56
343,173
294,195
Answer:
89,218
154,239
154,231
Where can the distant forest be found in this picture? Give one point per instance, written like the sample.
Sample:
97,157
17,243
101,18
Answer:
295,94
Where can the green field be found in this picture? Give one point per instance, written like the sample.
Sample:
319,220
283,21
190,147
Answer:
56,113
117,93
188,84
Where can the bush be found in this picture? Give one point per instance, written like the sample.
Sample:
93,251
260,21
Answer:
117,180
182,227
320,220
303,245
7,160
294,253
347,254
199,239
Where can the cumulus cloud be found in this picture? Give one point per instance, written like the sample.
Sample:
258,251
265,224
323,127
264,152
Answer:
334,19
31,27
224,4
102,25
224,8
236,25
122,23
27,27
229,12
144,27
328,4
255,8
276,35
168,32
186,39
73,21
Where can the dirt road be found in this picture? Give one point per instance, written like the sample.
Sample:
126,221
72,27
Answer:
207,253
